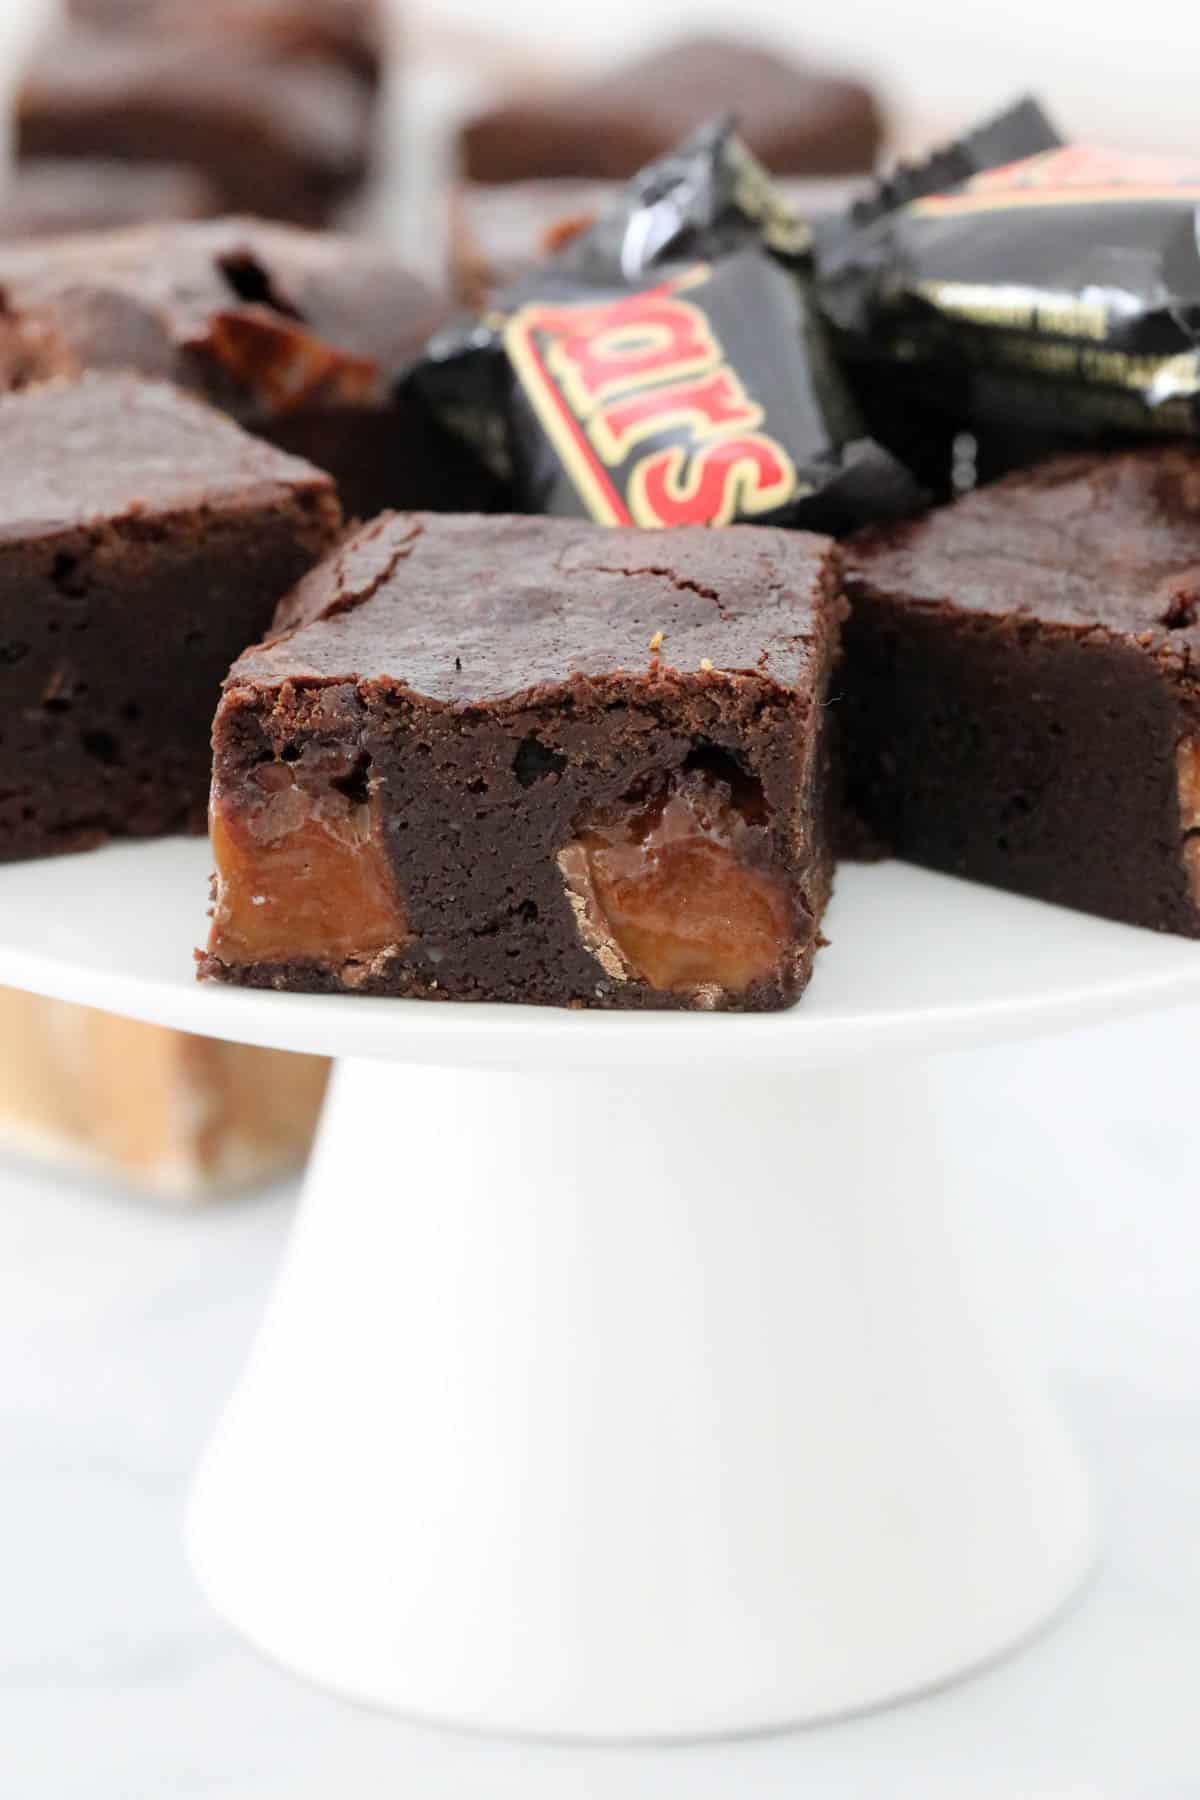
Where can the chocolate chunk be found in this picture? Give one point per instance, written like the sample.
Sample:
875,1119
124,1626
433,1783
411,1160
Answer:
144,541
533,759
798,119
1019,699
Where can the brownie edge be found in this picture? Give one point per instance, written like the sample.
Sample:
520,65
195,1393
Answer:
530,759
1020,697
144,542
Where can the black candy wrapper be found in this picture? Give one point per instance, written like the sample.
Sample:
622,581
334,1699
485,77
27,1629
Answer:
670,366
1022,130
1055,296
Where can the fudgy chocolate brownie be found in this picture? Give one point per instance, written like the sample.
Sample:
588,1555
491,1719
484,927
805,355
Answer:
351,33
500,231
57,196
1021,698
533,759
144,541
299,336
284,139
798,120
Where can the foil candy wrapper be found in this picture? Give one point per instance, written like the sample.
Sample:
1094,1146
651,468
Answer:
670,366
1054,294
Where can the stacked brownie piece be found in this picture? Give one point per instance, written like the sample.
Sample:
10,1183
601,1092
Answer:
271,101
350,33
797,119
535,169
300,336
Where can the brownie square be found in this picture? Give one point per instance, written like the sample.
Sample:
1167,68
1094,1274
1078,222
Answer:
144,541
532,759
54,197
280,138
349,33
798,120
1020,694
501,231
300,336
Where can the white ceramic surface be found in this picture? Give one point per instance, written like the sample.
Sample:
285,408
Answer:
121,1332
616,1409
654,1396
917,962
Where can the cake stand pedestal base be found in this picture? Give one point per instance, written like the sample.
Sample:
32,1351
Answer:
623,1406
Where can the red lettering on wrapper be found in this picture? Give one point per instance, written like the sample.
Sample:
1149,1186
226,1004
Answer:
719,403
644,337
748,475
604,377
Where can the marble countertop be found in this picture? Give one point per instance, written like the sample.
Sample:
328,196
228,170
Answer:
121,1332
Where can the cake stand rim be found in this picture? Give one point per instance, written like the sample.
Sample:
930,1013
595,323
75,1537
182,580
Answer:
54,915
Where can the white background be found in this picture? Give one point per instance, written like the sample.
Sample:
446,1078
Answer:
1122,69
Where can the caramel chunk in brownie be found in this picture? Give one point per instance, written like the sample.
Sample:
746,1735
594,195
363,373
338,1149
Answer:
301,870
669,882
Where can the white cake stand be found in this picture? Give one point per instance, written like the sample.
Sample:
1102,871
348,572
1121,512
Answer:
632,1376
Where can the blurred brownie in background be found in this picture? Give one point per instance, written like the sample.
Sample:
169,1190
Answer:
299,336
287,139
57,196
170,1114
144,542
352,33
500,231
798,119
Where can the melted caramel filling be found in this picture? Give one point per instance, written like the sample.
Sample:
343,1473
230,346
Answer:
285,367
302,876
561,232
1187,765
674,887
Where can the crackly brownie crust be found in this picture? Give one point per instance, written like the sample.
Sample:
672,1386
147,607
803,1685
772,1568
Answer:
144,541
798,120
283,139
1020,697
300,336
485,685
